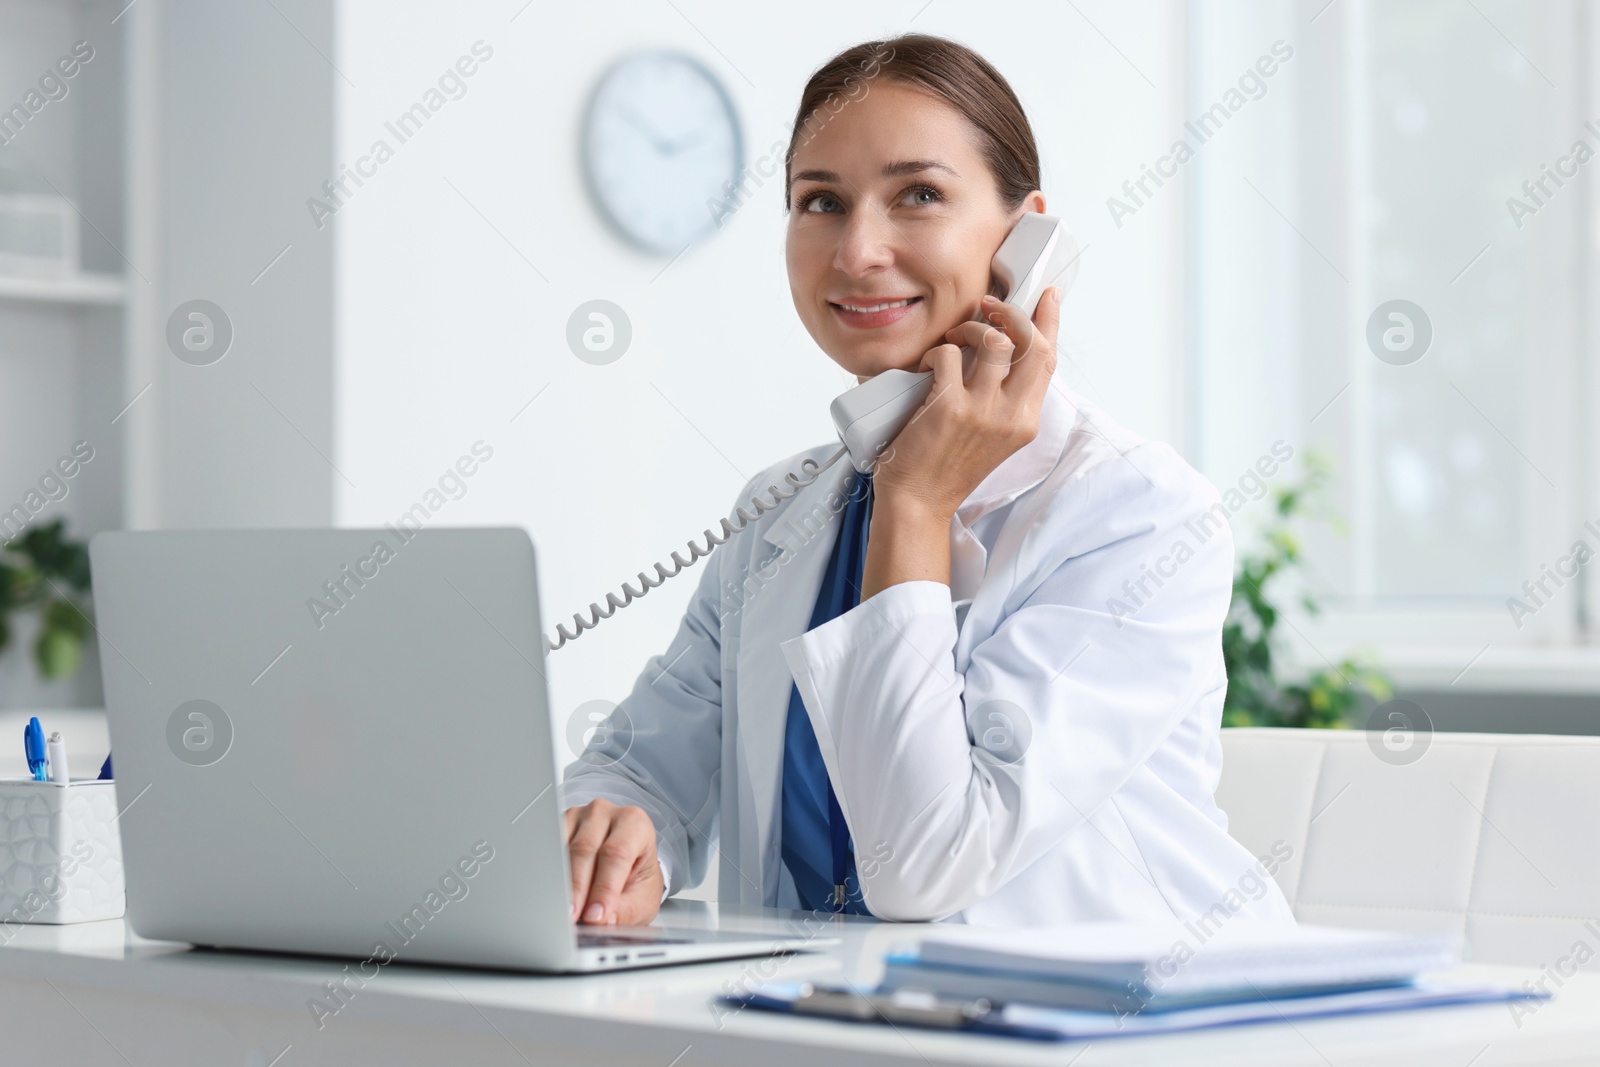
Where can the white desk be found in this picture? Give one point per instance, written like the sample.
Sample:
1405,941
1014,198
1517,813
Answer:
116,1000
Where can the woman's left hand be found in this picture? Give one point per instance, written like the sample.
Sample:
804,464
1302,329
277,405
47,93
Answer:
967,428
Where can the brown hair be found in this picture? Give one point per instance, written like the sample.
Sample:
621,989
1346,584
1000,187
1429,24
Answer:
950,71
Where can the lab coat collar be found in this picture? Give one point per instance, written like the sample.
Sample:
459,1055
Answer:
1017,474
1028,465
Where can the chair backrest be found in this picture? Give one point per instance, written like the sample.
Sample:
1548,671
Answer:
1493,836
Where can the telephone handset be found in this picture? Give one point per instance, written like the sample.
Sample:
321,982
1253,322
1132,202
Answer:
1038,252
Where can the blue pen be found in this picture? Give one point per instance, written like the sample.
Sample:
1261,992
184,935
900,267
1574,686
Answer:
33,745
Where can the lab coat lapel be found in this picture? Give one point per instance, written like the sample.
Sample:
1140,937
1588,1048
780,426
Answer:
789,567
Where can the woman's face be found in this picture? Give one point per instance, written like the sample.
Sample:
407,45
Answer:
892,203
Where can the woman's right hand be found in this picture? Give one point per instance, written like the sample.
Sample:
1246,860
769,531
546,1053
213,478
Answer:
616,878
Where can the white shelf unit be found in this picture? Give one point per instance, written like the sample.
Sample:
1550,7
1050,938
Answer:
92,288
63,342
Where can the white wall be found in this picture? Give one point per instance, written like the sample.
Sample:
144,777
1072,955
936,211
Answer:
445,332
230,126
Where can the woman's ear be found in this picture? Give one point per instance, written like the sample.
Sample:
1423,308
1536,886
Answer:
1034,201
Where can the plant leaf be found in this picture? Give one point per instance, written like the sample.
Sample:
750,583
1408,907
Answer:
58,653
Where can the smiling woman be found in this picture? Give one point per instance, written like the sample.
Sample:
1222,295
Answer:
938,207
960,731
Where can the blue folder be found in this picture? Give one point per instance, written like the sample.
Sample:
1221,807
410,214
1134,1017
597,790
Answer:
913,1008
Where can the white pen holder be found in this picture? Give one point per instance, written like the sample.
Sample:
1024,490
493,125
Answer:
60,852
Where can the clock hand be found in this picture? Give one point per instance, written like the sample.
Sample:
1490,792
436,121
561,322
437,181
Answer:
649,133
672,148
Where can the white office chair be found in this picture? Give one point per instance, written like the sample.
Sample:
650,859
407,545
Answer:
1493,836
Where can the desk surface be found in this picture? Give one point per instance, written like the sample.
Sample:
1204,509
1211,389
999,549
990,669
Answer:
114,998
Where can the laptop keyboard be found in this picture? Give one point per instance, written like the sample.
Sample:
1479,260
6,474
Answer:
598,940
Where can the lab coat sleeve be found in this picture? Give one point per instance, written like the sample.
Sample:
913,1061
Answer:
953,782
663,748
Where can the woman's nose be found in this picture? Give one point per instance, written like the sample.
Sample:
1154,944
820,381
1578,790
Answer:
869,240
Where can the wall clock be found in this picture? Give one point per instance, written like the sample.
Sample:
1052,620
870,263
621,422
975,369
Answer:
661,145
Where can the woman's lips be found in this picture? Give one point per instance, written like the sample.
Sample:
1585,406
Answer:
868,320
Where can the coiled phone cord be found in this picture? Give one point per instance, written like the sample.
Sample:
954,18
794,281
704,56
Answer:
629,594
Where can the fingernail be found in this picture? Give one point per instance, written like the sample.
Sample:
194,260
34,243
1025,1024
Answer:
594,913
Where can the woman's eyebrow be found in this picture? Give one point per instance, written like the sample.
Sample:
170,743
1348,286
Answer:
915,166
897,169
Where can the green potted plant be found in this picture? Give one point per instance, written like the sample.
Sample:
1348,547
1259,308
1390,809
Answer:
45,572
1328,698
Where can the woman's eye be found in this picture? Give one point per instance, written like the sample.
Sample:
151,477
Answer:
807,202
823,202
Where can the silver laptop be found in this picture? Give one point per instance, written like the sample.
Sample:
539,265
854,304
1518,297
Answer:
339,742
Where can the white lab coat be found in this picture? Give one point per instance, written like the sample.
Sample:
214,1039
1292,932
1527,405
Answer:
1089,581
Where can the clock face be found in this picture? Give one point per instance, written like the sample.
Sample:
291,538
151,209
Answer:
661,145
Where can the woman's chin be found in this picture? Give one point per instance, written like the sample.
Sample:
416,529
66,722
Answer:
870,365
